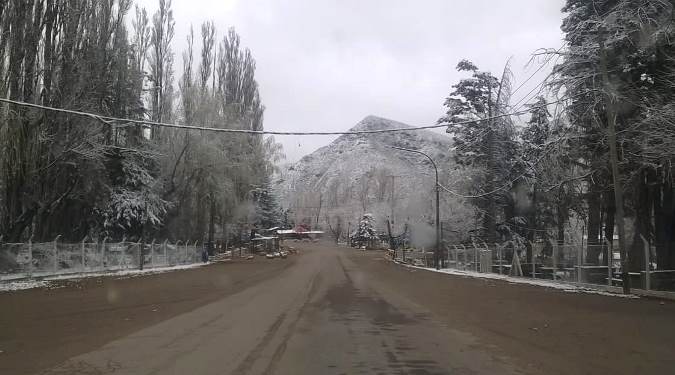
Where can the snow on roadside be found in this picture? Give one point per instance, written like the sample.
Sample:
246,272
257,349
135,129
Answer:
46,282
22,285
125,273
565,287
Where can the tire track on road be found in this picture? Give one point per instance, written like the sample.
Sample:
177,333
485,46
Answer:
281,349
248,362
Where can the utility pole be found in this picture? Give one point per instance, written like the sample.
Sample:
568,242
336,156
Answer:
318,212
437,251
610,103
393,198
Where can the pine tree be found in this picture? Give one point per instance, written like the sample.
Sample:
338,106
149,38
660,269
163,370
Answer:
268,213
538,128
617,67
482,141
365,233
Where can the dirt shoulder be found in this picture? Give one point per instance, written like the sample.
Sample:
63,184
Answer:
550,331
40,328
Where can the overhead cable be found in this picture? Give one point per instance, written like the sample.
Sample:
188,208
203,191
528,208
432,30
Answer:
109,119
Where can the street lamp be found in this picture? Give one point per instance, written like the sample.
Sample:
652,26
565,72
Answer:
437,251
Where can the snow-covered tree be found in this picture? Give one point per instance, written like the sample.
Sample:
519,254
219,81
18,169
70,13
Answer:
365,233
268,213
77,176
618,68
484,139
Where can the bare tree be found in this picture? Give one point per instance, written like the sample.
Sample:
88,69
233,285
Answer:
161,62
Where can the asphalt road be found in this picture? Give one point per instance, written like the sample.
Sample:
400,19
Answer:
328,311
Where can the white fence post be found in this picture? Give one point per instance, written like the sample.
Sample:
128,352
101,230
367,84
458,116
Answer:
56,253
648,283
187,243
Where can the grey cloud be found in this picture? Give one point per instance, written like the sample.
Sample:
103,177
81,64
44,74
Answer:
324,65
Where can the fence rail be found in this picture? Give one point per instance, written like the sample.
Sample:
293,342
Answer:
555,262
40,259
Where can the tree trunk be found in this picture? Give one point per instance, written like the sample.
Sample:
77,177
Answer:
593,242
664,221
562,214
490,221
608,218
17,215
610,104
642,222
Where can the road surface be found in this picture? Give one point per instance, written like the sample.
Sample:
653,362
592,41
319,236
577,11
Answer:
328,311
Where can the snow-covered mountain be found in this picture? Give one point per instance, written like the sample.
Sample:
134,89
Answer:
359,174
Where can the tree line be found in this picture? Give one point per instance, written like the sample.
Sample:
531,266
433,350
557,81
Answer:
85,176
597,146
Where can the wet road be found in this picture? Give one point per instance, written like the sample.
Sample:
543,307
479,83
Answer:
321,315
327,311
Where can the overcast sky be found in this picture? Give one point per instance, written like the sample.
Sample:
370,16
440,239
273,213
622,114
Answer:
326,64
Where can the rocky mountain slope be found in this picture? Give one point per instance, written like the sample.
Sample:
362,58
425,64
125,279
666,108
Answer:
362,174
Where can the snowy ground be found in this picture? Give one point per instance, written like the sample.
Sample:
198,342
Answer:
47,282
566,287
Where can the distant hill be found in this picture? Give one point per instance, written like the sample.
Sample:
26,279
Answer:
363,174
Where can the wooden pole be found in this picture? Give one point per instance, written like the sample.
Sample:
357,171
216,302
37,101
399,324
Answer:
103,261
82,251
555,259
56,253
166,244
534,266
391,239
140,254
30,255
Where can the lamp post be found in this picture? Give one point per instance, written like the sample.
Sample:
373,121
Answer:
437,251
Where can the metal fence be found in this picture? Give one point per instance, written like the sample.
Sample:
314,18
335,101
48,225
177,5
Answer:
40,259
555,262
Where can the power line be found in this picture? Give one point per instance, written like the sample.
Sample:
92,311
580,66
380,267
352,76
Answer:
537,71
522,102
503,187
108,119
